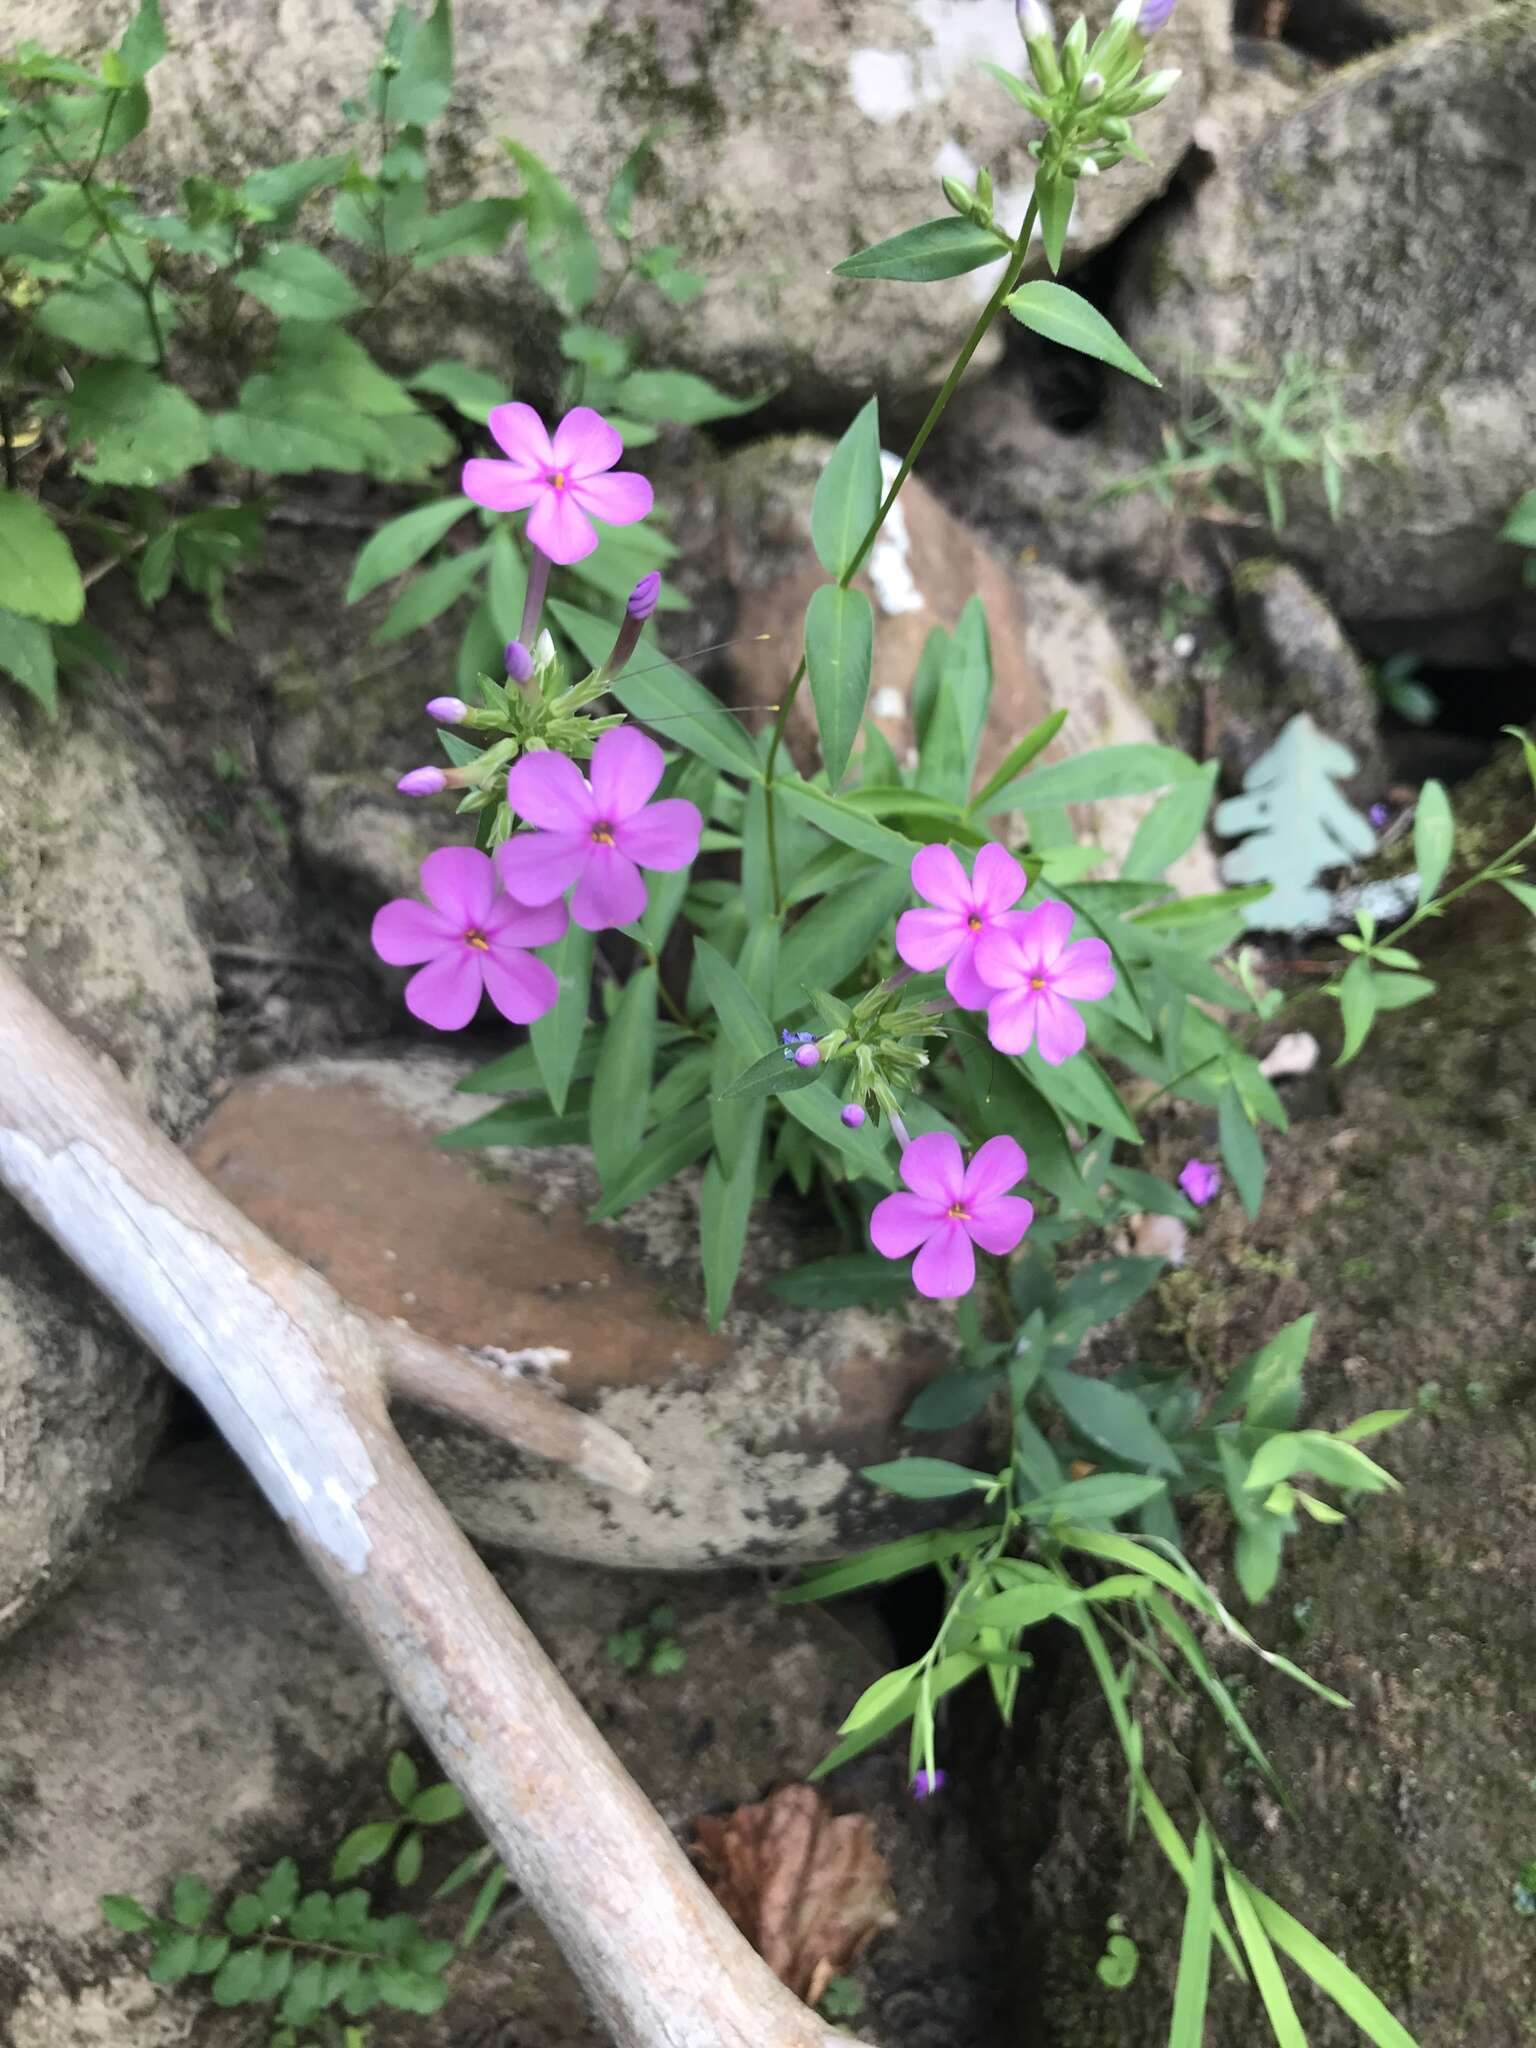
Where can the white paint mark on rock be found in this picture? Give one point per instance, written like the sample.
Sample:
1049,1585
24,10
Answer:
252,1367
890,565
951,161
883,84
886,84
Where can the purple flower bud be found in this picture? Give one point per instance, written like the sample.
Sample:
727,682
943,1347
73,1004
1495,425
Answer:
808,1056
1154,15
423,782
519,661
1379,815
1201,1182
926,1783
642,599
853,1116
448,710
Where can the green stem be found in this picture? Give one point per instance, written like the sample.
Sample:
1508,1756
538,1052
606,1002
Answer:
947,390
84,183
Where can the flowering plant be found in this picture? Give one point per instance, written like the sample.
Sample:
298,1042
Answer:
814,1027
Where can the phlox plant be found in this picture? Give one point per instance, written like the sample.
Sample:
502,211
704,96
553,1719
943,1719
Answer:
784,1014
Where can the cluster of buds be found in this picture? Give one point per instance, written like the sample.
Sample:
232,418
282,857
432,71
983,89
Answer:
1088,95
534,711
881,1037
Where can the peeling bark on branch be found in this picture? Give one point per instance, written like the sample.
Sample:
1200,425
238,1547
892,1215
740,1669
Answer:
297,1381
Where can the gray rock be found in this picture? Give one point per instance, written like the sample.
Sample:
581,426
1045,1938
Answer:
98,908
192,1704
756,1432
1293,656
1380,229
1346,28
799,133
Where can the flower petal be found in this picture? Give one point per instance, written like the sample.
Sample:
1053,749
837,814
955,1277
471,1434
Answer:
933,1165
1011,1019
619,499
550,792
501,486
998,1225
446,994
520,924
999,1165
1049,928
625,769
584,443
945,1268
901,1223
461,882
558,525
1059,1031
1000,955
521,987
929,939
965,985
609,893
1084,972
536,867
406,932
938,878
998,881
519,433
664,836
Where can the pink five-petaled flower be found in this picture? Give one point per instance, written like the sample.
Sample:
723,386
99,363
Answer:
1036,977
597,834
952,1207
471,939
965,906
1201,1182
564,482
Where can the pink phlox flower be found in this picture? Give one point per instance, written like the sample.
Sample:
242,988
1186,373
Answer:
951,1208
596,835
563,482
965,907
1036,977
1201,1182
473,940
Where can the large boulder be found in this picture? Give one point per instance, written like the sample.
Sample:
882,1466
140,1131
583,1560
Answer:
750,565
98,913
192,1704
1400,1211
1379,229
1345,28
797,134
756,1432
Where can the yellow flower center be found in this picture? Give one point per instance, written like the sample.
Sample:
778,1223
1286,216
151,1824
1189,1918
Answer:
973,924
958,1213
1037,981
558,479
602,835
478,940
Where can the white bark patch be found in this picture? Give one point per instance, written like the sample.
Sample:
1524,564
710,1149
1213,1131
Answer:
253,1368
890,559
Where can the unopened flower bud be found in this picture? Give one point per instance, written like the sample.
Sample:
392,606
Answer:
1090,169
1035,20
519,661
1127,12
642,599
1074,53
1153,91
807,1055
1113,129
448,710
958,195
1154,15
423,782
853,1116
1091,89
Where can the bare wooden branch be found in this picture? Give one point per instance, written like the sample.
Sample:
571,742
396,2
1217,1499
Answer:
295,1379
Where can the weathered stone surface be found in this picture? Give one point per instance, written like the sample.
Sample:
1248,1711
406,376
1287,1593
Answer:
1400,1210
98,906
1346,28
752,568
800,132
1379,228
756,1432
1294,657
192,1703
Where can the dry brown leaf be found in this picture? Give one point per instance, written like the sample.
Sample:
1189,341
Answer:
807,1887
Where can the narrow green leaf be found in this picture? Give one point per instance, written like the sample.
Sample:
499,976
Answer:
1278,2008
1241,1149
952,737
839,653
1101,1496
847,495
621,1084
38,574
671,1146
557,1036
1068,319
725,1205
825,946
400,544
679,708
1330,1973
839,821
1268,1385
854,1281
773,1074
926,1478
933,250
429,595
1357,1000
1332,1459
1111,1418
1192,1987
1017,760
1082,1092
679,398
952,1399
1171,827
887,1561
1103,772
1434,838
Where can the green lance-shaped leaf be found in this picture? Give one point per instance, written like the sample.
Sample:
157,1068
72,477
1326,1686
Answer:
847,493
1111,1418
926,1478
558,1033
1066,317
1055,196
621,1085
1241,1149
1434,838
1295,825
400,544
933,250
839,652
